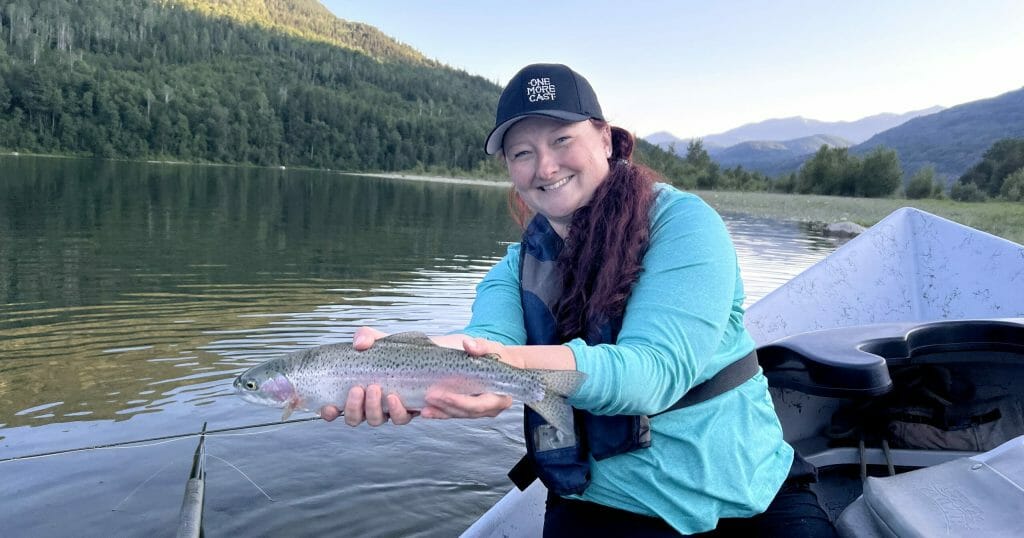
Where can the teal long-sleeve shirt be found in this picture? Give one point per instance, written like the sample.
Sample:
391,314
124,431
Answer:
683,323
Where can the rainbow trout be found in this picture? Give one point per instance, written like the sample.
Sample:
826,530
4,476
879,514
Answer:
407,364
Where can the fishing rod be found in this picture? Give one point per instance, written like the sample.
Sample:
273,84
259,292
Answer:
190,519
154,439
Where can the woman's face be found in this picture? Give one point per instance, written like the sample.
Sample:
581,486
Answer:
556,166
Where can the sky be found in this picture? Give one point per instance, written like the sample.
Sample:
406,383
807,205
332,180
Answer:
695,68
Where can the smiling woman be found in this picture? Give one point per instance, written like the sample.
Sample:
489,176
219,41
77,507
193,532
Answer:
635,284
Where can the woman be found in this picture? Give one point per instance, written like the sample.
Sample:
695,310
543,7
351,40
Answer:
637,285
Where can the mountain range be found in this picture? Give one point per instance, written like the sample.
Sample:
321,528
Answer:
950,140
780,145
955,139
774,158
781,129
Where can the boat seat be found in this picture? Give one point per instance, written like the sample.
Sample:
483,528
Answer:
854,362
979,496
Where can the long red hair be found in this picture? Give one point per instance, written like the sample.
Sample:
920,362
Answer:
603,254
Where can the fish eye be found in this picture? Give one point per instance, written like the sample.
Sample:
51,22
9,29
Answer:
250,385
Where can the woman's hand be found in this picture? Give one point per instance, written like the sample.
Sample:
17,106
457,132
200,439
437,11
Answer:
367,405
444,404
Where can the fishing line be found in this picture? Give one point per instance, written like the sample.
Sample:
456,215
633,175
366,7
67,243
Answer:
262,432
156,440
144,482
271,499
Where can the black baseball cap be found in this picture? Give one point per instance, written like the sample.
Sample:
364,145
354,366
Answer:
550,90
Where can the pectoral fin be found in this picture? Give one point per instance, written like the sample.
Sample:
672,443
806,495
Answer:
289,407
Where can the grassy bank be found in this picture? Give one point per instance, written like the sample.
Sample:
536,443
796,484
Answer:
1005,219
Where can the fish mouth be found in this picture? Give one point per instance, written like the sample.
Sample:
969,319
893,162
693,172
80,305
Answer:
558,184
257,398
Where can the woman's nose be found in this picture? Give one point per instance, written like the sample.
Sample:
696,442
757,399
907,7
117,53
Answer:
547,165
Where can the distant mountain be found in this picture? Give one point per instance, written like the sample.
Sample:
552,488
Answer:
791,129
774,158
799,127
955,139
664,139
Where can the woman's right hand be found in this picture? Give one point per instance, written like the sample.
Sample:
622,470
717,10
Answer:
367,405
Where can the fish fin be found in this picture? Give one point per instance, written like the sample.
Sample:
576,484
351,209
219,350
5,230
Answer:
411,337
561,382
556,411
289,407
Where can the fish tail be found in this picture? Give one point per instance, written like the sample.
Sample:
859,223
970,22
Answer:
556,411
561,382
558,384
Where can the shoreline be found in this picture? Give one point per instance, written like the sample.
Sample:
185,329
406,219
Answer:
428,179
1000,218
381,175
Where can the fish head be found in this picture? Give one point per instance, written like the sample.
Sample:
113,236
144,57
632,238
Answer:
265,385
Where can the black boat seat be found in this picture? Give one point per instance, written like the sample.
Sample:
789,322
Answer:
853,362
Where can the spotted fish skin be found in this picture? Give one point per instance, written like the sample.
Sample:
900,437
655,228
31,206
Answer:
406,364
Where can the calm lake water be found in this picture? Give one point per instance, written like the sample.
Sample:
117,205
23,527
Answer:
132,294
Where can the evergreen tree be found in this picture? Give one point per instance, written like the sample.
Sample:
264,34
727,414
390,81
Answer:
999,161
923,185
1013,187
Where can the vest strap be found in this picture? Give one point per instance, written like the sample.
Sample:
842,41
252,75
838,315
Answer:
725,380
523,474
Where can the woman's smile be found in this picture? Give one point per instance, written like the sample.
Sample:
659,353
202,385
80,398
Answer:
556,185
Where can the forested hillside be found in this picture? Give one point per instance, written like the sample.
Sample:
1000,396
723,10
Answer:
955,139
307,19
157,79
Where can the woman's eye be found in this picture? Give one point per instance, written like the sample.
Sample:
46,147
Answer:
519,154
562,140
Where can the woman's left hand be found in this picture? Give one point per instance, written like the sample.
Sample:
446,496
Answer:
445,404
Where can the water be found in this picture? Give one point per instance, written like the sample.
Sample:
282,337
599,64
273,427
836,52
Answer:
131,295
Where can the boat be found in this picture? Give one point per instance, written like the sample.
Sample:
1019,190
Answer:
896,366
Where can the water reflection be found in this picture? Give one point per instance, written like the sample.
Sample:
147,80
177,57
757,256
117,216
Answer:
771,252
126,274
131,294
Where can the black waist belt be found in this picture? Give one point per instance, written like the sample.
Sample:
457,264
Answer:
728,378
725,380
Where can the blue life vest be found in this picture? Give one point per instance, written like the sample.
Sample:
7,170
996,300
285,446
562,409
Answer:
563,463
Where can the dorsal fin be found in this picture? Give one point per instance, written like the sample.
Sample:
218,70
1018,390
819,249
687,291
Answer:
413,338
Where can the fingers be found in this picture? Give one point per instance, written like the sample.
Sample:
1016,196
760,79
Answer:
478,347
365,337
369,405
354,406
399,415
372,406
329,413
452,405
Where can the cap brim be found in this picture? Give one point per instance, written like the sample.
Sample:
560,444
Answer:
497,136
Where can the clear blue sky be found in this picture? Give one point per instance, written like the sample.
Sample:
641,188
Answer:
695,68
